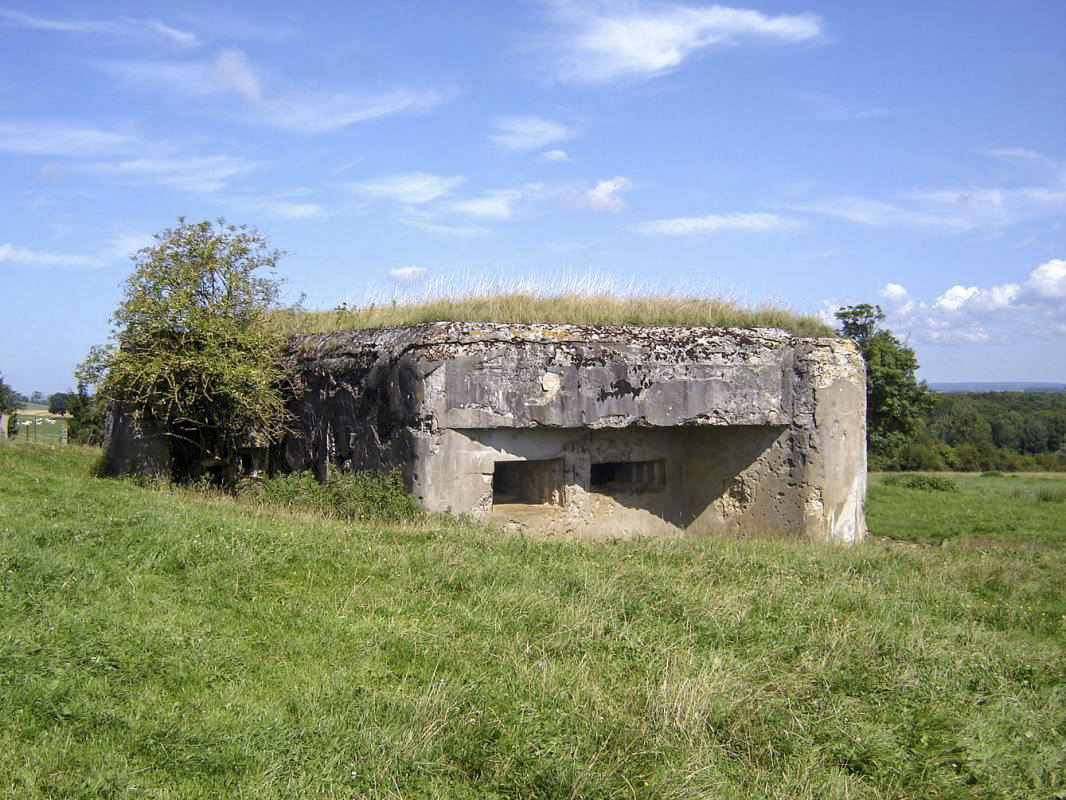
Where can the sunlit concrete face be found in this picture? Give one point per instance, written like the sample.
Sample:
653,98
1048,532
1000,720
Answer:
611,431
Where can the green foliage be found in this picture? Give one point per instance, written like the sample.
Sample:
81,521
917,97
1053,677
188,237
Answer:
192,353
167,644
9,404
923,483
349,496
9,401
59,403
895,400
1051,496
87,418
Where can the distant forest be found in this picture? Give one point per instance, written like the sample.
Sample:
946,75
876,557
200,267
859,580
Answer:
984,431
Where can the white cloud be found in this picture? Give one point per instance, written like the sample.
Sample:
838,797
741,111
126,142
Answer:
554,156
968,314
128,244
408,276
290,108
828,107
712,223
60,139
124,27
893,291
283,207
414,188
13,254
497,203
188,173
950,209
605,41
528,133
323,112
233,71
119,248
1048,281
605,195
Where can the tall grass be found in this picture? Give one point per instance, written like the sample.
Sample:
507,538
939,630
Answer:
161,643
580,306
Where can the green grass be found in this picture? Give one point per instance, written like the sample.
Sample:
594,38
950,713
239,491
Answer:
1009,510
562,307
158,643
39,431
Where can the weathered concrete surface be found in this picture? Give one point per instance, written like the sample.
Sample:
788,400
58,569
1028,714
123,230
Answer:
135,446
634,430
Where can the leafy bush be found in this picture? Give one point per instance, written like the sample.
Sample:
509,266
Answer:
1051,495
351,496
923,483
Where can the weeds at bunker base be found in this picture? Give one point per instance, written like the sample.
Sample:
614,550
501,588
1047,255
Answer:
583,430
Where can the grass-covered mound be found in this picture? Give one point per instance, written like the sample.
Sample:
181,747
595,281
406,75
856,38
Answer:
566,307
160,643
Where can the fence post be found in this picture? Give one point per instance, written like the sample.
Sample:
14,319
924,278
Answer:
62,434
3,426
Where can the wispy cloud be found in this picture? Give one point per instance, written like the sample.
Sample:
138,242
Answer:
832,108
952,209
497,203
291,108
124,27
323,112
291,205
188,173
1034,306
714,223
119,248
413,188
1036,189
60,139
529,133
602,42
606,195
25,256
554,156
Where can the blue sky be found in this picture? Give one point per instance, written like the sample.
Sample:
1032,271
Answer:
911,154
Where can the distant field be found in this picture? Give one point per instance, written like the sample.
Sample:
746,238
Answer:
162,643
39,430
1010,508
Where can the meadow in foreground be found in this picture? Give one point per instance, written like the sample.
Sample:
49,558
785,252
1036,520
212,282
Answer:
159,643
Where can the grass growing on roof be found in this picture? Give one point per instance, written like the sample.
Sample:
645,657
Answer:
563,307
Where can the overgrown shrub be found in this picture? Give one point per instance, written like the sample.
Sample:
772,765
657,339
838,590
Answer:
923,483
1051,495
350,496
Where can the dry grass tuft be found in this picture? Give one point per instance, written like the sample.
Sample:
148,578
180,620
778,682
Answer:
561,307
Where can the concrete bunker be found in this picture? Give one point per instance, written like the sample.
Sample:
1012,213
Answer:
587,430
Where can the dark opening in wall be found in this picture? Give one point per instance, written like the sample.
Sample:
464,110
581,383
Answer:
528,481
630,476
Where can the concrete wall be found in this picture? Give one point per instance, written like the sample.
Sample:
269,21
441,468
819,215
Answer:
729,479
758,432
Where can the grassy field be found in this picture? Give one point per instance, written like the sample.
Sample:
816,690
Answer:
38,431
163,644
562,307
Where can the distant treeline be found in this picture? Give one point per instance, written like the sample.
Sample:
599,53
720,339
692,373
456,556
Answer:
1006,431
